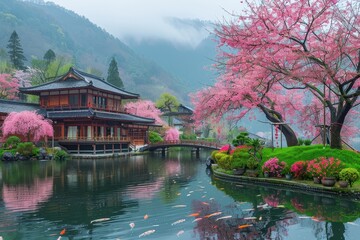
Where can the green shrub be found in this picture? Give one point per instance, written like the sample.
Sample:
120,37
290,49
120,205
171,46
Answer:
350,175
241,139
252,163
27,149
307,142
12,142
155,137
237,163
219,155
213,153
240,158
225,162
188,136
300,141
61,155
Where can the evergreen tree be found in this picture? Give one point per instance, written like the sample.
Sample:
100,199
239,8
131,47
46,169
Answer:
113,74
49,56
15,51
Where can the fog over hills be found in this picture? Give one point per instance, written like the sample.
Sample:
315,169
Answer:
42,26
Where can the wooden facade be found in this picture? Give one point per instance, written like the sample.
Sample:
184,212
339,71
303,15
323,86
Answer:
88,115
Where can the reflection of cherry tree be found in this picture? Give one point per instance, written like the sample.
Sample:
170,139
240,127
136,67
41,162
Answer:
27,197
172,167
146,190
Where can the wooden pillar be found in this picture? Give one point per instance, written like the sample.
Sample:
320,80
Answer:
163,152
78,148
198,152
94,148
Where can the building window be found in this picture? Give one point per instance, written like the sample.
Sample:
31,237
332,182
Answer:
83,97
74,100
72,132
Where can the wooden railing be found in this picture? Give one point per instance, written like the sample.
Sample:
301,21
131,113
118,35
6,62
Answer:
96,139
186,143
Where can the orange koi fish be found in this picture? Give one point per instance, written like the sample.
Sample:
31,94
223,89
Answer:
146,216
244,226
62,232
205,203
213,214
194,214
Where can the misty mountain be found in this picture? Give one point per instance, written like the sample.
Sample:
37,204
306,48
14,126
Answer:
42,26
190,63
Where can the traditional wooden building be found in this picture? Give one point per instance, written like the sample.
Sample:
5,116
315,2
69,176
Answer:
88,115
181,119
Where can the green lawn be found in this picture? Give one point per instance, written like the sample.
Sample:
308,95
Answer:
297,153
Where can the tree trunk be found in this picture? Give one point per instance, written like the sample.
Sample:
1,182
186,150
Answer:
275,117
335,135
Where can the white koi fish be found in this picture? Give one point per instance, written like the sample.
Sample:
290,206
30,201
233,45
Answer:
250,218
196,219
179,233
132,225
213,214
99,220
179,206
146,233
178,221
225,217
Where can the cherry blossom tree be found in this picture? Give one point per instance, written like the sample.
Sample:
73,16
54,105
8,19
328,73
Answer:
144,108
304,45
9,87
27,124
172,134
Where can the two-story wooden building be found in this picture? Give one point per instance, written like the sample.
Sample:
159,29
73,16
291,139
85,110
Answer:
88,115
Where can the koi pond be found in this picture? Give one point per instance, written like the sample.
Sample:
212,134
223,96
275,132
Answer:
154,197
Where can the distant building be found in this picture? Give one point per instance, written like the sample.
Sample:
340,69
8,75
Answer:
87,114
181,119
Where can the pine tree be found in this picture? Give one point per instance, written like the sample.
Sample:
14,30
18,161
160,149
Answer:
15,51
113,74
49,56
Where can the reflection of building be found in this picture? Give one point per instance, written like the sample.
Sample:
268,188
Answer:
88,115
181,119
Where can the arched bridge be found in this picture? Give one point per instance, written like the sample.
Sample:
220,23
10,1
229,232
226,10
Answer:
197,144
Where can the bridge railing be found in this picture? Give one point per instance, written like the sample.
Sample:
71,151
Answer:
197,143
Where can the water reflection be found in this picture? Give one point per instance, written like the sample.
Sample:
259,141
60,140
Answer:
273,211
178,196
27,197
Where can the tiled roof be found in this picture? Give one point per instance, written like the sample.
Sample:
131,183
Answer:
8,106
123,117
77,79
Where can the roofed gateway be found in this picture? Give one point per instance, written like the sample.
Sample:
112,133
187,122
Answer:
88,115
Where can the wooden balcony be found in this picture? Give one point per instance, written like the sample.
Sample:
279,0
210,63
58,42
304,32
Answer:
86,140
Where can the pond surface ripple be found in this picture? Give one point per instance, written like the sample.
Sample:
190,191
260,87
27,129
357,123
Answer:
154,197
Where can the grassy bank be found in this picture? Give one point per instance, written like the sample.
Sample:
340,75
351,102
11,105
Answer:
298,153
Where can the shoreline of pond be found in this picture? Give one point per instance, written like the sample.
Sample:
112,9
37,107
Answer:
286,184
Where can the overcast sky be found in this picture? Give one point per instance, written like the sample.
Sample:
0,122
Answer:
148,19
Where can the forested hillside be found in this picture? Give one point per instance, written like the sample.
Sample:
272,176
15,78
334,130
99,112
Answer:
43,26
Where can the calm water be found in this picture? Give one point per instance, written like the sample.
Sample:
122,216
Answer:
151,197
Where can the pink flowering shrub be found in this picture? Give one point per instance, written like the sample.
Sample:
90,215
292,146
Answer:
299,169
273,167
172,135
330,167
313,168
